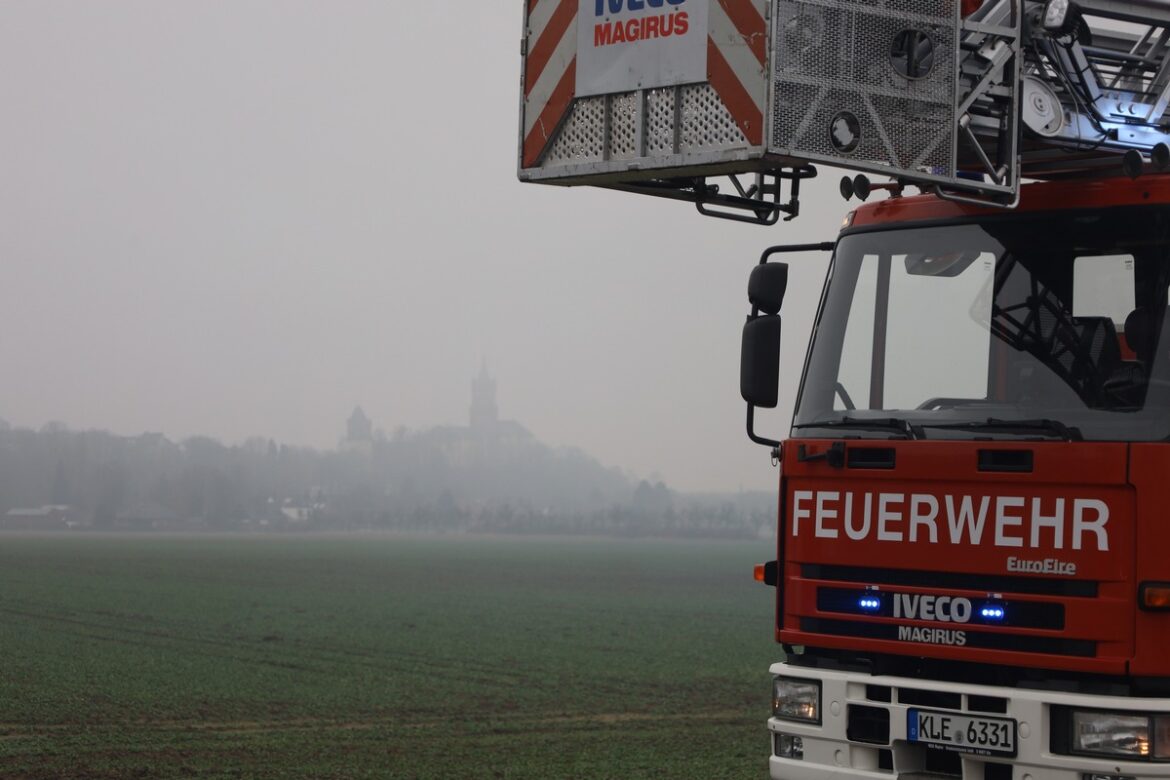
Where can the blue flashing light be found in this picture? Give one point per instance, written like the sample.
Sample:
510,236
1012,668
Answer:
993,612
869,603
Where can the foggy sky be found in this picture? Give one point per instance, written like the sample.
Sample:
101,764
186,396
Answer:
243,217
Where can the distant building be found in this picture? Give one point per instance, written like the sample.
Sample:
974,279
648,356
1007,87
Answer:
300,515
359,433
484,413
359,427
301,511
51,517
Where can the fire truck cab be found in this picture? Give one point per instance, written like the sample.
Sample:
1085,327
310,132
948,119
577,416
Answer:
970,581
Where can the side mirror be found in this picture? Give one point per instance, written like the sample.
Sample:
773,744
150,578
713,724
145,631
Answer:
767,285
759,366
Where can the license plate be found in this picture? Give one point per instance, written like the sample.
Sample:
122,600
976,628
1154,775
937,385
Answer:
962,733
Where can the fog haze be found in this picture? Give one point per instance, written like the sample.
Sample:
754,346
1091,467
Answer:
243,218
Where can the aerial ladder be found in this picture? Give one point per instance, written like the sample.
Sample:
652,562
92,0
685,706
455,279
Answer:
960,98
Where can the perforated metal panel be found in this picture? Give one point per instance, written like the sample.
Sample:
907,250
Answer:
677,120
623,126
582,137
834,73
661,122
705,121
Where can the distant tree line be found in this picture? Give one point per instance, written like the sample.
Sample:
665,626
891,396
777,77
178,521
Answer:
443,479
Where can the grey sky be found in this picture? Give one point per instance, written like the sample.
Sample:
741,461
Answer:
242,217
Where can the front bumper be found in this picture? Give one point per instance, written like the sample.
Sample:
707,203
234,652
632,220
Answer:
829,753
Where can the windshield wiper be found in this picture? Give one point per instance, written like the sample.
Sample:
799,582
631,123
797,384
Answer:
895,424
1055,427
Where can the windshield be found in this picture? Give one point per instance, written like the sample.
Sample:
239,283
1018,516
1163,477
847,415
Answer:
1018,326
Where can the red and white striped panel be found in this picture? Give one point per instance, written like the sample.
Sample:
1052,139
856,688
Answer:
550,72
737,47
737,57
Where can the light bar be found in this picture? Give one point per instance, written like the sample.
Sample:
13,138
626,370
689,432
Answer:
992,611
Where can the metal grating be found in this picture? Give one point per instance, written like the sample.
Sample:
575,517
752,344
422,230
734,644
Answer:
661,124
673,120
623,126
582,137
705,123
925,130
834,56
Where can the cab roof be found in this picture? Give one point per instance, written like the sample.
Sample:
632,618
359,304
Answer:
1039,196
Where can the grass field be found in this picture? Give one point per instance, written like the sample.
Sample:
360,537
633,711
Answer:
144,657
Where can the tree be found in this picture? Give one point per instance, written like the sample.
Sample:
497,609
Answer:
60,484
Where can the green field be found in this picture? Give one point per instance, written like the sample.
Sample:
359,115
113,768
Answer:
264,657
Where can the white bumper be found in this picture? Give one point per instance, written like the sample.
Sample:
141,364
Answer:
828,753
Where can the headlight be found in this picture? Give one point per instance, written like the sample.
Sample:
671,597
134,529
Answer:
1111,734
796,699
1137,736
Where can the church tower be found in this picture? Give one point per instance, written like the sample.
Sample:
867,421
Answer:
359,427
359,433
484,414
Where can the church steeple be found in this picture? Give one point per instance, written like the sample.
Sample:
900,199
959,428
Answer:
484,414
359,427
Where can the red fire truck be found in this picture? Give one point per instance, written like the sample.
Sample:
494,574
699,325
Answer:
969,576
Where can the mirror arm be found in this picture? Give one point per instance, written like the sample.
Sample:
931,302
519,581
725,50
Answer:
751,429
825,246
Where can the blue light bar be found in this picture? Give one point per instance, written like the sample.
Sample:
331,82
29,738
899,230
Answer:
993,612
869,603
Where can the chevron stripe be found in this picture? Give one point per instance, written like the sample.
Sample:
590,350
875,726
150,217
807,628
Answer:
550,72
544,127
539,12
549,39
748,115
736,60
562,59
749,23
